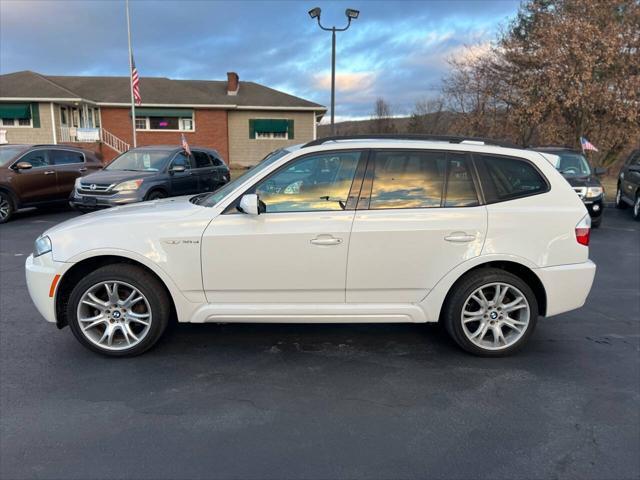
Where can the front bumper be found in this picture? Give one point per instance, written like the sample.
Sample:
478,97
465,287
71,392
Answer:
594,206
97,202
42,284
567,286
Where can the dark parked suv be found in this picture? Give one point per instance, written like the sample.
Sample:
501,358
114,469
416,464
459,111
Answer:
149,173
573,166
36,175
628,191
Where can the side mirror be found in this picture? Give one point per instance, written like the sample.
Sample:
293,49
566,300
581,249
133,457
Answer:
599,171
251,205
178,169
24,166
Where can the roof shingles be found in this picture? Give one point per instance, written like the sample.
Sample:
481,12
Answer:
154,90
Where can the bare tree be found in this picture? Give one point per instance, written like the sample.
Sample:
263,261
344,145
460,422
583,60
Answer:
427,116
382,117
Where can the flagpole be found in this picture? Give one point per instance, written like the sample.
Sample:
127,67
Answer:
133,103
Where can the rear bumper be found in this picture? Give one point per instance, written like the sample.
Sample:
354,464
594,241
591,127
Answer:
595,207
567,286
41,273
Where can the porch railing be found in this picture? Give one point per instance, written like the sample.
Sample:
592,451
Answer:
69,135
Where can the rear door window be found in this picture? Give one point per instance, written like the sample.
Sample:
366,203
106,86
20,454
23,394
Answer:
460,189
407,179
506,178
65,157
202,160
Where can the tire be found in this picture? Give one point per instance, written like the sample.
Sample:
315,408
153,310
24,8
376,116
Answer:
460,297
619,202
129,324
636,207
7,208
156,194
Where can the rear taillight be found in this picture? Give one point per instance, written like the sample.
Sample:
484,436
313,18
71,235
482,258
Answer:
583,230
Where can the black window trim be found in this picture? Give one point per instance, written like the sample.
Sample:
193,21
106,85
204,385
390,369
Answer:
364,201
485,181
356,183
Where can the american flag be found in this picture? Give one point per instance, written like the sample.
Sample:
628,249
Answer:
135,82
587,145
185,145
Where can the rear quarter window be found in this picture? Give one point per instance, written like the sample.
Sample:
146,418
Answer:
507,178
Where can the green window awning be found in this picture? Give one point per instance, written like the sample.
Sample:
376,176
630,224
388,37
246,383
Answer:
163,112
270,126
15,110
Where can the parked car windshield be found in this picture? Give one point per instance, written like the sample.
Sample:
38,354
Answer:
141,160
8,153
215,197
572,164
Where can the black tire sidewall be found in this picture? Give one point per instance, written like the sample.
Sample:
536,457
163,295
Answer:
156,195
464,288
12,207
146,283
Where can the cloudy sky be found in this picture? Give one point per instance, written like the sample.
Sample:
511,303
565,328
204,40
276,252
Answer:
396,49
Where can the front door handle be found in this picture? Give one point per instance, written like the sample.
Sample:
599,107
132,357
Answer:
49,172
326,240
82,169
460,237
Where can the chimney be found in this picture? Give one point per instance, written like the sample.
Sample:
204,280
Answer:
233,83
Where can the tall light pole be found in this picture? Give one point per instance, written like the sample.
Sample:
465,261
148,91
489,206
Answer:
351,15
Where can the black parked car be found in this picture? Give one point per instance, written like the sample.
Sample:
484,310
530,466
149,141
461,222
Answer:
573,166
628,191
149,173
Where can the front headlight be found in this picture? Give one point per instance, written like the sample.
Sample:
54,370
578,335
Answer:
78,180
128,185
593,192
42,246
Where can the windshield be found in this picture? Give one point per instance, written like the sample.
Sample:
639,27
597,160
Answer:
8,153
141,160
572,164
213,198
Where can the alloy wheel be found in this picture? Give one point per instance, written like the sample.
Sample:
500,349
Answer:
5,208
636,207
495,316
114,315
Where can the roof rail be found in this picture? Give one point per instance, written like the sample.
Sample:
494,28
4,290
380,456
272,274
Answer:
412,136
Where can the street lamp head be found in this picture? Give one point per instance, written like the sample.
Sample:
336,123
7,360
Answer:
315,12
352,14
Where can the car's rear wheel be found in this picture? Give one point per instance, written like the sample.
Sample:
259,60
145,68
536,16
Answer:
491,313
619,202
6,207
636,207
118,310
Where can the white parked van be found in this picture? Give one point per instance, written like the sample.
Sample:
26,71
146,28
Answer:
481,237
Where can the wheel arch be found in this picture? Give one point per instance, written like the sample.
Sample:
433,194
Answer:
437,297
9,191
80,269
157,188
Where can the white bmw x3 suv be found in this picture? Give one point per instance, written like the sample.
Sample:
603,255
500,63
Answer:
482,237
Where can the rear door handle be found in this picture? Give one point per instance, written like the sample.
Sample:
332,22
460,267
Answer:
82,170
326,240
460,237
49,172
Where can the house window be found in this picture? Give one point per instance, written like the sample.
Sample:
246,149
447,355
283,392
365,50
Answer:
96,115
63,115
16,122
181,124
271,129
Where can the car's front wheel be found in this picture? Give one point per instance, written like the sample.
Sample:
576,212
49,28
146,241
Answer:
491,312
636,207
6,207
118,310
619,202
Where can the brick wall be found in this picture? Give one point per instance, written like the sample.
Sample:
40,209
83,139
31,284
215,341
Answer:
244,151
210,131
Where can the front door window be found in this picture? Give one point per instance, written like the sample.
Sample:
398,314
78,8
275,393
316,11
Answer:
314,183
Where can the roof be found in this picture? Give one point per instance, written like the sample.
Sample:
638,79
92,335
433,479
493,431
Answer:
157,91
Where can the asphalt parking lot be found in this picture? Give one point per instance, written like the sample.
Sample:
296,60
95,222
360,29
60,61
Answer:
320,402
